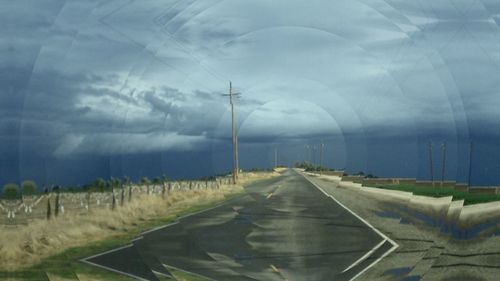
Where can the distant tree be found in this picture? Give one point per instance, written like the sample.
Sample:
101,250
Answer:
156,181
100,184
10,191
28,187
145,181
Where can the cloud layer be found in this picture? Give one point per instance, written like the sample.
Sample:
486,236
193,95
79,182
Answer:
112,77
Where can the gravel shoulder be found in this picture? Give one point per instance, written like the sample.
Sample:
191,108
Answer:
424,253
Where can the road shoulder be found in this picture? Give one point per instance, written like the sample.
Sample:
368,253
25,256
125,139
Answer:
424,253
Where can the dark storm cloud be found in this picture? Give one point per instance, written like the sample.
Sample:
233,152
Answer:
108,77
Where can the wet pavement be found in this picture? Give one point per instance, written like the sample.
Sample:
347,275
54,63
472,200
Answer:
280,229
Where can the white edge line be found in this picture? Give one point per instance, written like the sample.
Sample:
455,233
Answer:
114,270
366,255
188,272
137,239
177,220
394,244
107,252
86,260
162,274
156,228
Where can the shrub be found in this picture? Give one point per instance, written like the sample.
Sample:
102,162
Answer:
28,187
145,181
100,184
10,191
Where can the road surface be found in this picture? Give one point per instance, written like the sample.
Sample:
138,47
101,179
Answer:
284,228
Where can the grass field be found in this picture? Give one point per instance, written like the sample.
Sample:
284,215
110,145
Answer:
66,265
51,250
469,198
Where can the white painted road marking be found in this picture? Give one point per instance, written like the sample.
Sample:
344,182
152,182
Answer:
394,244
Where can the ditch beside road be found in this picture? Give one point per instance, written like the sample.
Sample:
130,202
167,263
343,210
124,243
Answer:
424,252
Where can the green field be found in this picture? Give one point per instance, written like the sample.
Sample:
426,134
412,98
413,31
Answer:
437,191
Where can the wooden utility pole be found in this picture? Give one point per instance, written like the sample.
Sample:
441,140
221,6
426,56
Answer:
431,166
321,158
443,150
308,153
313,148
234,135
470,165
275,157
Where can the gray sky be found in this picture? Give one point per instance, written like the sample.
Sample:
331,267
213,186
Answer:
110,78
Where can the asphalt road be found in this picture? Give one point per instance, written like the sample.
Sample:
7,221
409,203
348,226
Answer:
281,229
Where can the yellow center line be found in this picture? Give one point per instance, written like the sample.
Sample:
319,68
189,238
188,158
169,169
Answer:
275,269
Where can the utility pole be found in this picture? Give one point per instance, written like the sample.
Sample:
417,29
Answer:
470,165
443,165
321,158
275,157
333,159
308,153
313,148
234,135
430,159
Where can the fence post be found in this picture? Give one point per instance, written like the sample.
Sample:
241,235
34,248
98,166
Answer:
88,200
49,211
122,196
56,207
113,202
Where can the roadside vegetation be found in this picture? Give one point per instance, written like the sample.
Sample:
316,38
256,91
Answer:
311,167
28,244
430,191
53,246
437,191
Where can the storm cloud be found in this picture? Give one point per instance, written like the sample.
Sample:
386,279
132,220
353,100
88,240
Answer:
110,78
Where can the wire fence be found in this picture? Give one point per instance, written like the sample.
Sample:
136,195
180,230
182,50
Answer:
44,206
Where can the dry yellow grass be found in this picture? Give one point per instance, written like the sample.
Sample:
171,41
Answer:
24,246
248,177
